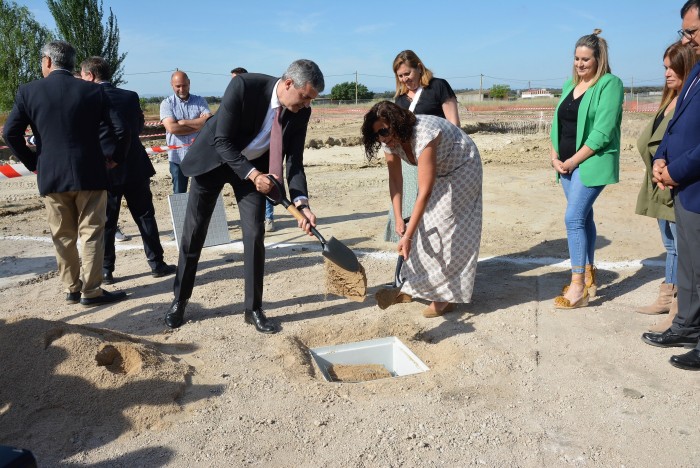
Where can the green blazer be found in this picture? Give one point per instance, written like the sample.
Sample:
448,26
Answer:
598,127
652,201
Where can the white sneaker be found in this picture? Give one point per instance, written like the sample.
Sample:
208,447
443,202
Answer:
269,225
119,236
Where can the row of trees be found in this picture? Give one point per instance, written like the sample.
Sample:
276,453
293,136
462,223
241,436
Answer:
77,21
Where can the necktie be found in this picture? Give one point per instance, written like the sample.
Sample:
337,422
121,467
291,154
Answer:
276,146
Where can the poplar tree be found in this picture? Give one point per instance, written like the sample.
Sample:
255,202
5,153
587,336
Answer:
22,38
80,23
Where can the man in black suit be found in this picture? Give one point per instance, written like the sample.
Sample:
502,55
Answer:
131,179
234,147
677,167
65,116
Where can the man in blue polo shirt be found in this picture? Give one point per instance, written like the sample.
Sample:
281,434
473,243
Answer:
183,116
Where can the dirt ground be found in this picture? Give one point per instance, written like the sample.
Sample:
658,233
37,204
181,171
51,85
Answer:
512,381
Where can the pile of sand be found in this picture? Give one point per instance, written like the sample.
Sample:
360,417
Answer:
62,382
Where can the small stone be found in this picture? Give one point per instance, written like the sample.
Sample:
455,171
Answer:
631,393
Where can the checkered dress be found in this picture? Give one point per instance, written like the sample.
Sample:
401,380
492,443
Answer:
442,263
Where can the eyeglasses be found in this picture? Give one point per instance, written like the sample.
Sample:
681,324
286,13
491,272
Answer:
383,132
687,33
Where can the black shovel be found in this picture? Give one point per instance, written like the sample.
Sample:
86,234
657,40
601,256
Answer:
333,249
398,280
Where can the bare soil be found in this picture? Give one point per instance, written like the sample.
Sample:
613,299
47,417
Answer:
512,381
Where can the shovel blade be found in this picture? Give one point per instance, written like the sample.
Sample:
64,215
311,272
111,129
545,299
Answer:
341,255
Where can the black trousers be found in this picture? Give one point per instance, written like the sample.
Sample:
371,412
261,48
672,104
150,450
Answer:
204,191
687,322
140,202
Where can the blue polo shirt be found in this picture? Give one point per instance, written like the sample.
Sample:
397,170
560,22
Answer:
176,108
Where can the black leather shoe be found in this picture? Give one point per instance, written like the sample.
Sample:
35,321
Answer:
688,361
668,339
106,298
107,277
175,316
257,318
73,297
163,269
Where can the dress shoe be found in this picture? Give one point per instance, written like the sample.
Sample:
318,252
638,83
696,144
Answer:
163,269
668,339
175,316
107,277
688,361
106,298
73,297
257,318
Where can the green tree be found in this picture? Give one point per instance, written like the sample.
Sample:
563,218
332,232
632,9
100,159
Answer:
346,91
80,23
499,91
21,37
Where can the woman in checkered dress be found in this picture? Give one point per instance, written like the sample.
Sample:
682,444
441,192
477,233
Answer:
441,242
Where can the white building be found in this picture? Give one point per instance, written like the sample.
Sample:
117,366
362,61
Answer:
535,93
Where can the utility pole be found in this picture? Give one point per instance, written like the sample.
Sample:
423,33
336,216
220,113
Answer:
481,88
632,88
356,87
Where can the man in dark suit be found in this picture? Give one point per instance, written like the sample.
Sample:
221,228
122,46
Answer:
65,115
234,147
677,166
131,179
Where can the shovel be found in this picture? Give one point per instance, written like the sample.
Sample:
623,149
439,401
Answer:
398,280
333,249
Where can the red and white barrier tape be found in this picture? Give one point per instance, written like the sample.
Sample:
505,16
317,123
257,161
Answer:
10,171
163,149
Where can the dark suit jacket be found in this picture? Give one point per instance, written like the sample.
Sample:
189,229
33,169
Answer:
680,146
65,114
239,119
137,165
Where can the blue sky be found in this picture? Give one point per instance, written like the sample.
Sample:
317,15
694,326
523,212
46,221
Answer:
510,42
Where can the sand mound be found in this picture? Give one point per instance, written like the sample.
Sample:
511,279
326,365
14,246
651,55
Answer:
62,382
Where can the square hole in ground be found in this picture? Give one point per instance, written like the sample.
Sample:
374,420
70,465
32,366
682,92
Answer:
367,360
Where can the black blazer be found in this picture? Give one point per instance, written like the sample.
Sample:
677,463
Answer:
239,119
137,165
65,114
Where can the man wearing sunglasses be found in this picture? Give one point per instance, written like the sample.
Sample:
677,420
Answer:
259,116
677,167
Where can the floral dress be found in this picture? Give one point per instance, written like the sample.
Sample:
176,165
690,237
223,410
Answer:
442,263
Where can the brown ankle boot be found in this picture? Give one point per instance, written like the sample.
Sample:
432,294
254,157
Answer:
662,304
665,323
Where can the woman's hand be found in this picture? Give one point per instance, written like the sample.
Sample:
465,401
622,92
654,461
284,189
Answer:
400,227
559,166
404,246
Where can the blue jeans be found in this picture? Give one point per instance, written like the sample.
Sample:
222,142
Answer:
580,227
269,210
669,238
179,179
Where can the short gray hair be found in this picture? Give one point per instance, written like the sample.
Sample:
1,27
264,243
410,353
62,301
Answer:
304,71
61,53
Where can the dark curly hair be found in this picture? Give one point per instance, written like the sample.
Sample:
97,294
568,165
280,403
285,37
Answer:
400,121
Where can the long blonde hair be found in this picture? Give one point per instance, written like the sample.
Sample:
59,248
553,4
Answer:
599,46
410,58
682,58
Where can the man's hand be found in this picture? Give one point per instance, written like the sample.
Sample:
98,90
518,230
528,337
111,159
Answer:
308,220
660,175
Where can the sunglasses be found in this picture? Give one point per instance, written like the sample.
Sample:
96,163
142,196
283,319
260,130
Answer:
383,132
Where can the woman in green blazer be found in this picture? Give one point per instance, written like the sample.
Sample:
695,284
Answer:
651,201
586,155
